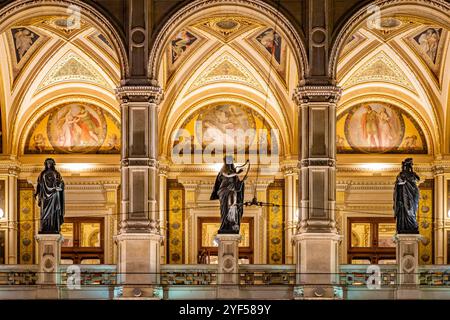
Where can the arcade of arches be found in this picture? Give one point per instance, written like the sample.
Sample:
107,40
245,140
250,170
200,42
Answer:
344,96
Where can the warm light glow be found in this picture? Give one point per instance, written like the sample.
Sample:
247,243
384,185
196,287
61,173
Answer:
448,213
216,166
2,213
375,166
76,166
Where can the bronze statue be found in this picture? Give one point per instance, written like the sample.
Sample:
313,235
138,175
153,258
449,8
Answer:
50,193
229,189
406,199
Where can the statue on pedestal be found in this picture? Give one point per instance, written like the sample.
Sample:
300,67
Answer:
50,193
229,190
406,199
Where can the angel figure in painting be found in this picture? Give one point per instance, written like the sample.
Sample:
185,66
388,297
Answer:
229,190
406,199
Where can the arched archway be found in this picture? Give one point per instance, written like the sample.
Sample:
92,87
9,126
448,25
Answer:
198,8
28,9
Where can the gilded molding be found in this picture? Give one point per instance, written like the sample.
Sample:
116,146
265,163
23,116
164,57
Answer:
151,94
307,94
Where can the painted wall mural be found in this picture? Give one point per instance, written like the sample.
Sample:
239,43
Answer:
175,230
272,41
221,124
425,221
74,128
378,127
275,223
429,44
181,43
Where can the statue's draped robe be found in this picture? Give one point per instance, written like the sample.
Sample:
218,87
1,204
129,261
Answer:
51,200
230,192
406,202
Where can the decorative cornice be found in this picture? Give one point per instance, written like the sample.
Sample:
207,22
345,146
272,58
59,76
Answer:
151,94
152,163
308,93
317,163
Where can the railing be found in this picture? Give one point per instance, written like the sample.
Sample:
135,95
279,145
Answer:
189,274
90,275
15,274
265,274
434,276
353,275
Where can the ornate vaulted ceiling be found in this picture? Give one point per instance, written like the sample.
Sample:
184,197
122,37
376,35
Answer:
49,61
402,61
230,58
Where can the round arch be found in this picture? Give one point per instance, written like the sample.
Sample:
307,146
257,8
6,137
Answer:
195,9
26,9
432,10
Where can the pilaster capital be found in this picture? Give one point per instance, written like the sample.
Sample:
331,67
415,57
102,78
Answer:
151,94
140,162
311,162
316,93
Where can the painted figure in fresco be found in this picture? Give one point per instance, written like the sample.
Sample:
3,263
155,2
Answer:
181,42
371,127
406,199
50,193
411,142
428,42
271,40
89,126
71,132
386,129
229,190
39,142
23,40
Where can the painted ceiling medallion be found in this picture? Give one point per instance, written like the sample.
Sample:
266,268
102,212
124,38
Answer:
65,27
390,27
379,68
227,28
71,67
225,68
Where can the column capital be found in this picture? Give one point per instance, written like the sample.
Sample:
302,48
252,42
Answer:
151,94
317,93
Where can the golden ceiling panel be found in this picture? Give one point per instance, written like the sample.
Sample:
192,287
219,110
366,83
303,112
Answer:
23,43
380,68
104,43
429,43
355,40
64,27
226,68
227,28
71,67
389,27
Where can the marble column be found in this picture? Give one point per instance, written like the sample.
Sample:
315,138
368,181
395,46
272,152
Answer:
139,235
12,214
290,188
317,239
439,215
163,208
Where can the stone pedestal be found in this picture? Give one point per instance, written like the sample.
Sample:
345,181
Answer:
408,265
228,268
317,265
139,265
49,251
